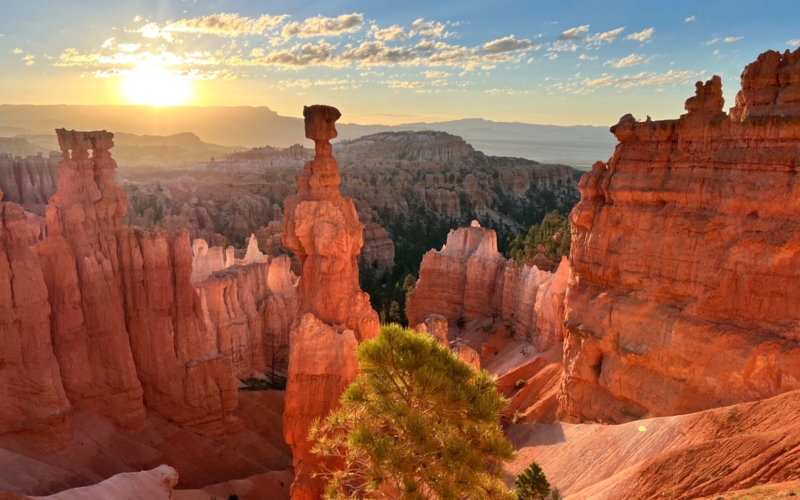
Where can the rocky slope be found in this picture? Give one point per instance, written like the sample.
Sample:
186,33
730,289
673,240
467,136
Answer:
322,228
686,257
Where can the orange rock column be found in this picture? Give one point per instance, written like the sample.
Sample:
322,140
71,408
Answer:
322,228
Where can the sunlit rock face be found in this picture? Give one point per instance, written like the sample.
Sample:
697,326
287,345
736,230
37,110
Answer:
468,279
322,228
686,257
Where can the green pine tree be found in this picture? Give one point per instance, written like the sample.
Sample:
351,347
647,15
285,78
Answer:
417,423
532,484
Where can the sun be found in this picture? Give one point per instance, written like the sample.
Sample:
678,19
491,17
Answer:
155,86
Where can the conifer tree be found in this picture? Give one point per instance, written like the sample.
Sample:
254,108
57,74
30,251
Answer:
532,484
417,423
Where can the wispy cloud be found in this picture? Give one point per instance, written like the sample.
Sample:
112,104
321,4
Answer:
29,60
428,29
324,26
643,79
400,84
507,44
608,36
732,39
225,24
436,74
625,62
690,19
17,50
577,33
586,57
641,36
793,43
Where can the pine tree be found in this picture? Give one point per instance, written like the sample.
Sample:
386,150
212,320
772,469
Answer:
417,423
532,484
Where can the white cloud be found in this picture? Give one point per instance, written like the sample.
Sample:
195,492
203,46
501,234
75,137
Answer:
552,56
17,51
625,62
257,52
129,47
399,84
391,33
643,79
732,39
225,24
324,26
608,36
153,30
507,44
436,74
641,36
29,60
137,19
576,33
713,41
428,29
689,19
586,57
793,43
108,43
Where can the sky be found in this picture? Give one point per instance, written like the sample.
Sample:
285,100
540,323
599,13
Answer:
389,61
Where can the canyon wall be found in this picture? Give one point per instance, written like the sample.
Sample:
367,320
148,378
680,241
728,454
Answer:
468,279
322,228
113,320
686,257
29,181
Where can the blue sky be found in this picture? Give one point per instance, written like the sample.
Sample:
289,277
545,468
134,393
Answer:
578,62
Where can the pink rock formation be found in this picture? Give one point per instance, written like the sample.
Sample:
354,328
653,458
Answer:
322,228
686,257
32,398
153,484
29,181
468,280
184,375
435,325
82,271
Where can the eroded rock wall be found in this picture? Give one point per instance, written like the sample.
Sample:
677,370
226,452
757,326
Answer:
468,279
686,257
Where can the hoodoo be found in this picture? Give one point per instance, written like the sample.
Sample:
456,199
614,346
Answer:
322,228
686,257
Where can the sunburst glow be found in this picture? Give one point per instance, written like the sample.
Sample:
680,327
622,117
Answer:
155,86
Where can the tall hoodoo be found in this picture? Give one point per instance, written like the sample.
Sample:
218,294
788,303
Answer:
686,257
82,272
322,228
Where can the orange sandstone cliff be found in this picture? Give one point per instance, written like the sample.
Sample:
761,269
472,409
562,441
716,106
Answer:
686,257
322,228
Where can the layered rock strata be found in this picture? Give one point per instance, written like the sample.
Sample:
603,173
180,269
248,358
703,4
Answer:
322,228
686,257
468,279
29,181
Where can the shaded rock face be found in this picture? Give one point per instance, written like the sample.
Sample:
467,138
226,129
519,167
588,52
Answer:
686,257
468,279
323,230
29,181
32,398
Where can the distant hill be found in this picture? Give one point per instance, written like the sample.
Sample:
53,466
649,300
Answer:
258,126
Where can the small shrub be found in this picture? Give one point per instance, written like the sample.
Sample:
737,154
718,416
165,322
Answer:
519,383
555,494
532,484
518,417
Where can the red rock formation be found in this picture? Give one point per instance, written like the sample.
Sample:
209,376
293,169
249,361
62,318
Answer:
184,375
469,280
322,228
82,272
32,398
686,257
29,181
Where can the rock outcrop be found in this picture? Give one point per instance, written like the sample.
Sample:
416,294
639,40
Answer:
322,228
29,181
686,257
83,275
468,279
32,398
153,484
